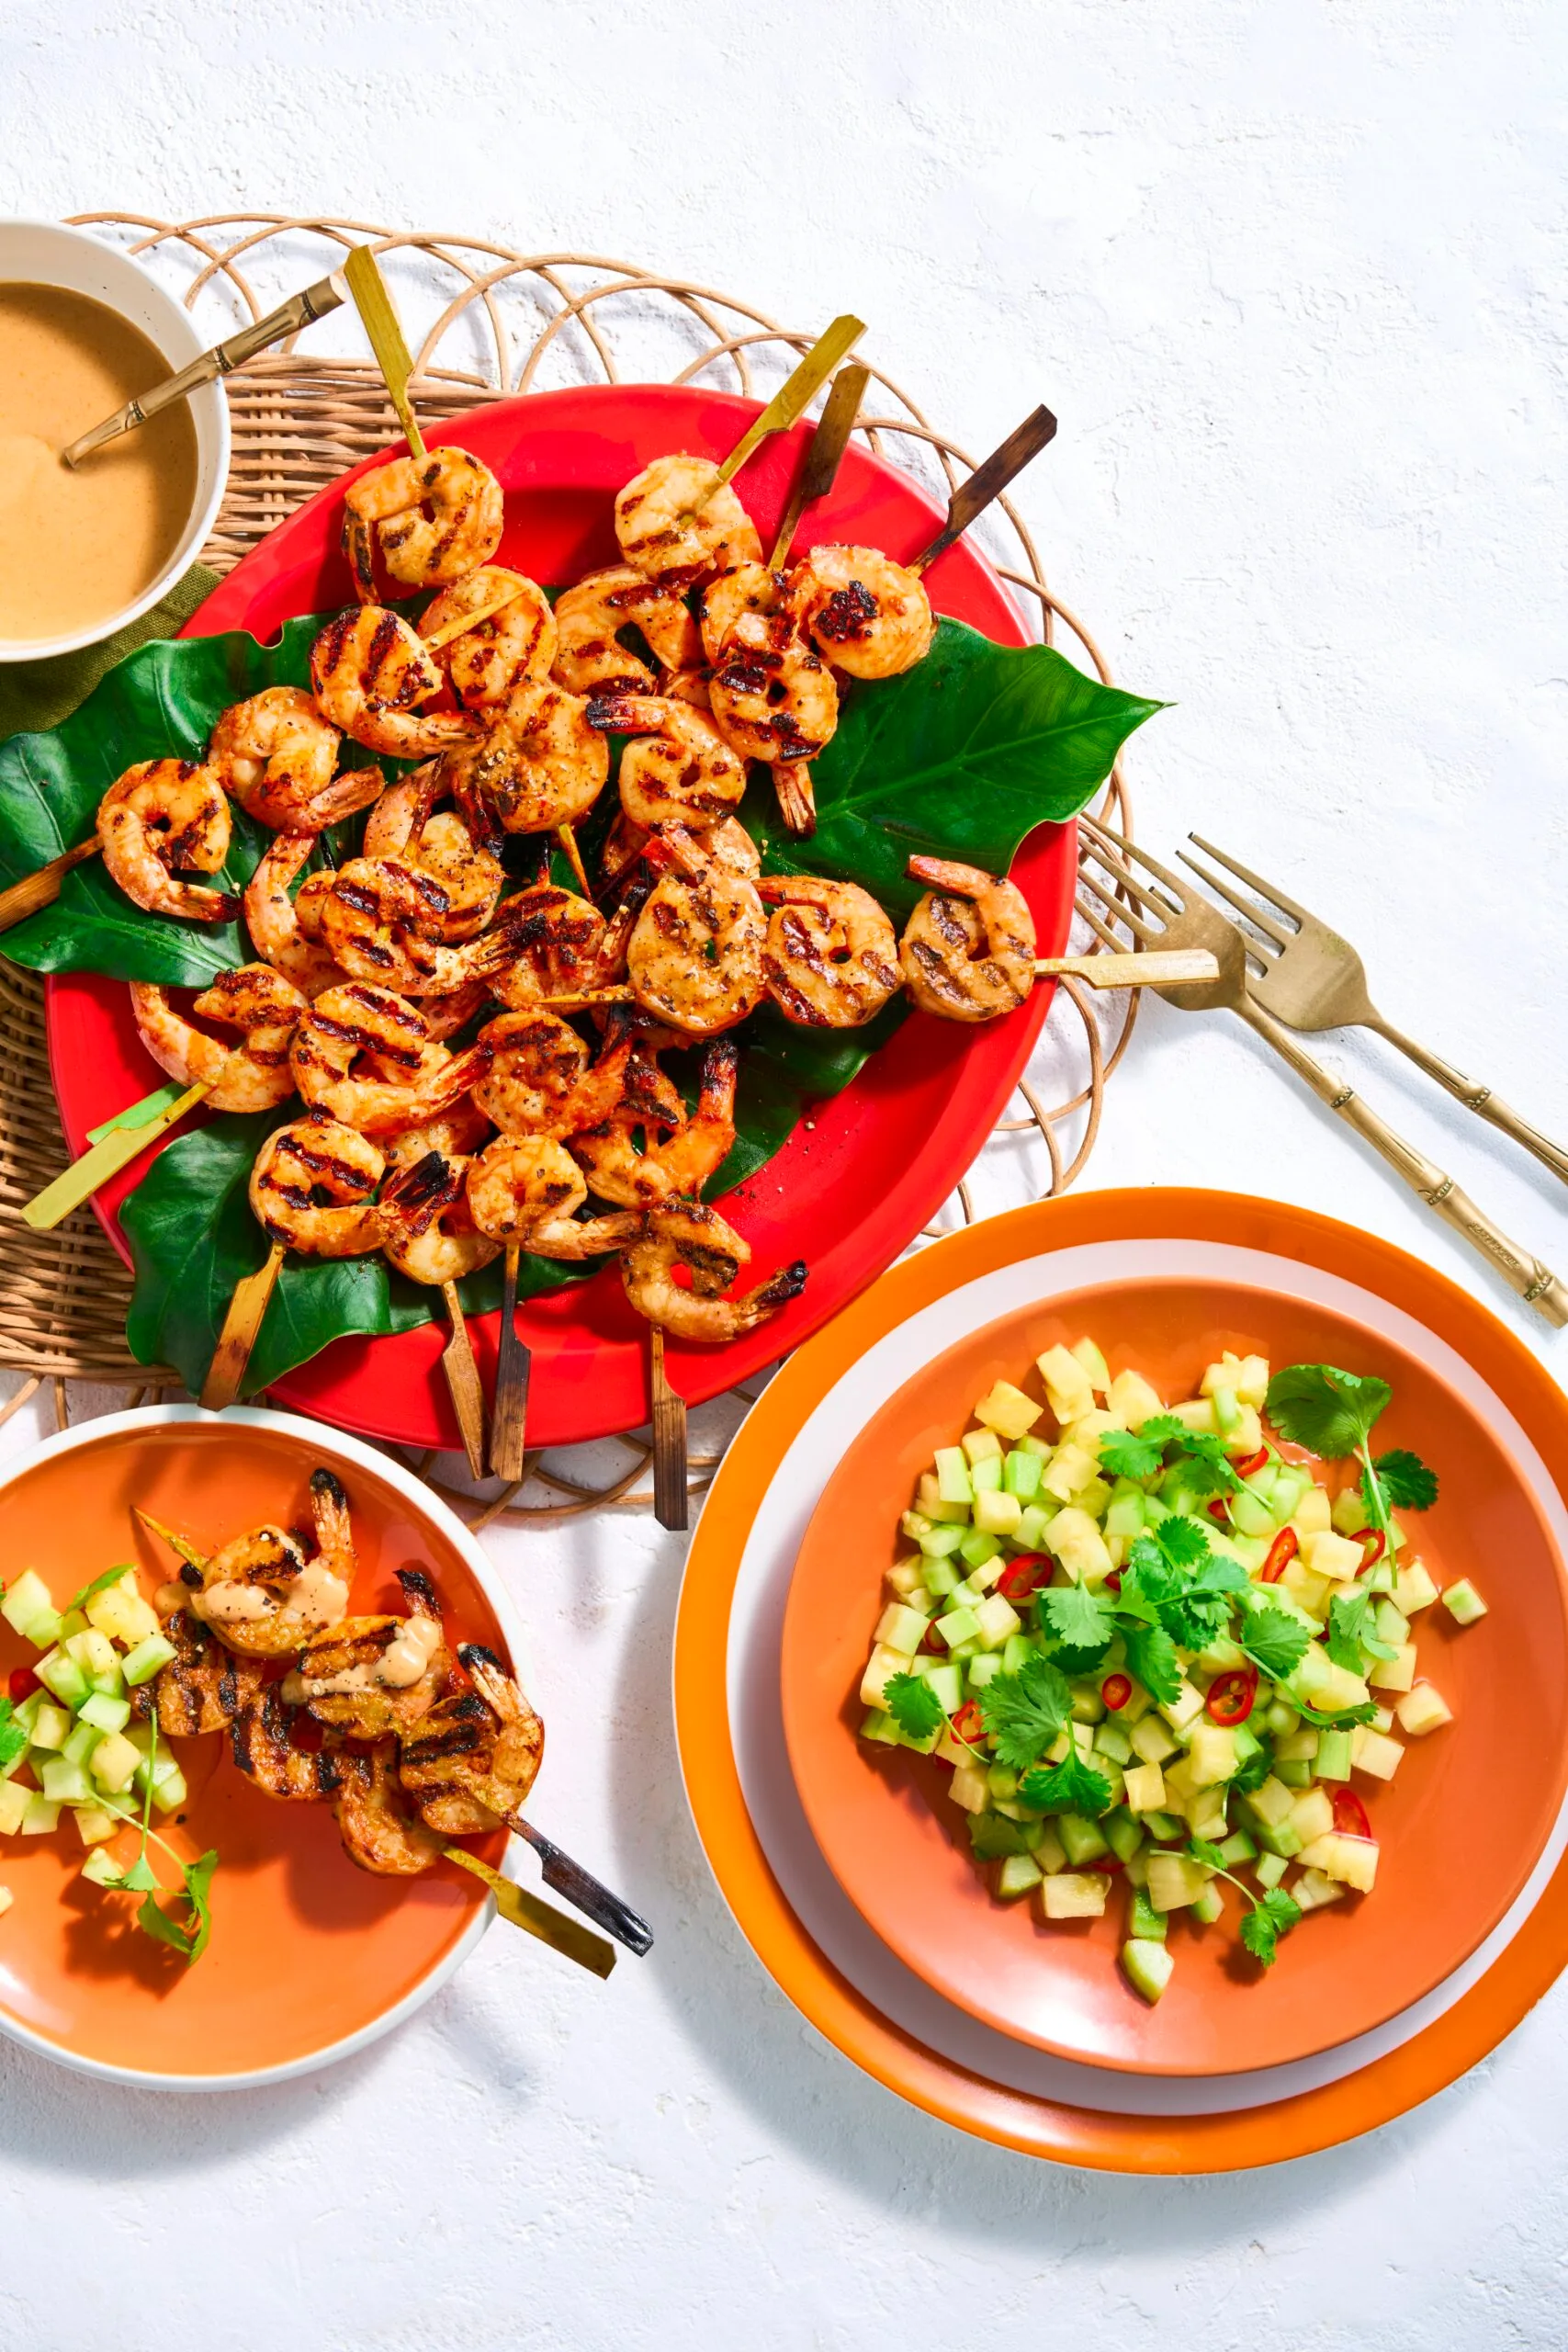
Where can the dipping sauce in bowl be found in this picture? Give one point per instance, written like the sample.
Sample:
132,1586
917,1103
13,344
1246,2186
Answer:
77,547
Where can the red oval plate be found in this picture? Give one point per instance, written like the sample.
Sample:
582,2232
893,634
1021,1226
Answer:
846,1194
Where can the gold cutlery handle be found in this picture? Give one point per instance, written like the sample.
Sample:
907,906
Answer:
1477,1098
1534,1282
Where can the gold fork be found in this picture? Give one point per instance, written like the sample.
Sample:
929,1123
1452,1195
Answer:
1311,979
1166,912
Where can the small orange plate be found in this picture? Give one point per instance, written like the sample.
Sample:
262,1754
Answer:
1460,1827
310,1956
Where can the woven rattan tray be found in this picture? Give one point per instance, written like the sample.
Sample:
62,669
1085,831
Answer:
482,321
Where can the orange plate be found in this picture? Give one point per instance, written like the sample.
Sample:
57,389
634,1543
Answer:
1459,1837
1386,2088
308,1956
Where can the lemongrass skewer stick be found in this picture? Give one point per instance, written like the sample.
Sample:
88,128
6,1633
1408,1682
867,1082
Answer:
463,1383
669,1417
36,891
509,1415
238,1337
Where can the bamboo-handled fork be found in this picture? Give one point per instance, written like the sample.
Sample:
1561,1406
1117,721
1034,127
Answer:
1311,979
1164,911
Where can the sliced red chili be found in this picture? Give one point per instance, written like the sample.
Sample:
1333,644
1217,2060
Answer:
1106,1862
1113,1581
1254,1463
931,1640
23,1682
969,1724
1374,1543
1231,1696
1219,1509
1281,1552
1351,1815
1116,1690
1025,1575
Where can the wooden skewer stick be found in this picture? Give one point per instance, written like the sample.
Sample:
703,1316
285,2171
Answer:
181,1544
1163,969
827,446
108,1157
35,891
579,999
509,1414
373,304
542,1919
669,1439
567,837
439,637
463,1383
238,1337
793,398
987,482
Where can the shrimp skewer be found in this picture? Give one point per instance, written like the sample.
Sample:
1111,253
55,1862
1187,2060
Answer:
160,817
428,1235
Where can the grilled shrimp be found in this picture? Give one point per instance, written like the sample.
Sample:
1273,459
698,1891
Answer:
590,657
265,1752
618,1171
252,1076
345,1023
380,1831
749,588
540,1080
459,1131
497,652
472,876
431,519
203,1686
831,960
540,765
276,754
968,948
285,932
695,957
556,939
369,1676
521,1184
675,526
380,921
686,1233
868,615
311,1155
469,1765
262,1597
370,671
426,1230
680,770
163,816
773,695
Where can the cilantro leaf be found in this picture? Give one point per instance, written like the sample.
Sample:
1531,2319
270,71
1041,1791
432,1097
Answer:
1181,1542
1152,1659
994,1834
1203,1851
913,1705
1350,1631
1206,1466
1024,1712
142,1878
189,1938
13,1738
1275,1643
1252,1774
1345,1720
1129,1454
1190,1604
1329,1411
1406,1482
99,1584
1075,1616
1071,1786
1272,1917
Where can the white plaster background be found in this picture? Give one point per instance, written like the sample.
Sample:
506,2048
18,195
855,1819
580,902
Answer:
1293,277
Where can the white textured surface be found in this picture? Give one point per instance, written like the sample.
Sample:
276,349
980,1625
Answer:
1291,277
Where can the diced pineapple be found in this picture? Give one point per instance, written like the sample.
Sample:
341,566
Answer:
1051,1854
1414,1587
905,1575
1132,1401
1152,1740
996,1514
1315,1678
1352,1861
1206,1815
1383,1719
1273,1801
1198,1416
970,1788
1334,1558
881,1666
1145,1788
1463,1603
1007,1411
1312,1816
120,1613
1315,1888
1372,1753
1307,1586
93,1824
1212,1755
900,1628
42,1816
1075,1539
1244,1438
1070,1468
980,1446
997,1618
1423,1709
1187,1705
1094,1365
1179,1782
1087,1432
101,1868
1396,1673
1349,1515
1174,1881
1247,1375
14,1799
1074,1895
1068,1389
1313,1516
1298,1746
52,1727
1148,1966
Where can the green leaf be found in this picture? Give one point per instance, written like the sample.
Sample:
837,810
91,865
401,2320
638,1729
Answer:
1202,1850
1131,1453
1075,1616
913,1705
1252,1774
1204,1465
958,758
1181,1542
1350,1631
994,1834
1024,1712
1273,1915
142,1878
188,1938
99,1584
1329,1411
1275,1643
1407,1484
1150,1658
1071,1786
1345,1720
12,1738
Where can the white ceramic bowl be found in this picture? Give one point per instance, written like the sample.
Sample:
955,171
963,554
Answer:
42,252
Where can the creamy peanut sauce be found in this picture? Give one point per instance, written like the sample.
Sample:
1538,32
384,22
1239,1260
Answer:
406,1657
77,547
315,1596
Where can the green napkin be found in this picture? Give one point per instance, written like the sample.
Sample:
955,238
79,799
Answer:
37,694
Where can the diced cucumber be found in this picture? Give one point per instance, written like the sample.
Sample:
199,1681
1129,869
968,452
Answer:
59,1673
1122,1834
1296,1775
1174,1881
116,1761
1124,1512
947,1684
980,1446
953,1480
986,1476
938,1577
1081,1840
170,1792
929,1504
1163,1825
93,1824
1462,1602
1029,1533
1251,1516
1290,1485
80,1742
1144,1922
978,1547
943,1541
1148,1966
1113,1741
900,1627
958,1625
100,1868
1332,1762
1021,1475
1089,1707
65,1782
29,1609
1284,1842
94,1653
1391,1625
875,1725
1237,1849
980,1670
1017,1874
1016,1651
1209,1906
1298,1746
52,1727
42,1816
1226,1410
1269,1868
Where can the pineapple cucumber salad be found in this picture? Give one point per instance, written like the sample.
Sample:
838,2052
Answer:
74,1741
1154,1650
